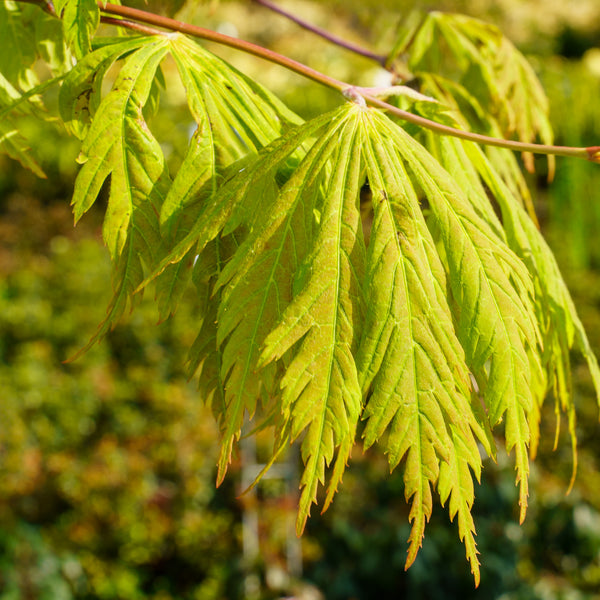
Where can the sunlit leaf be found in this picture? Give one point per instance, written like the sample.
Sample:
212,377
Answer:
119,145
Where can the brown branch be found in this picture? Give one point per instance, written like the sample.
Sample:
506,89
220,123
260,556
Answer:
136,15
132,16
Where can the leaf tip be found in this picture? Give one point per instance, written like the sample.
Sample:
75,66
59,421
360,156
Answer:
476,574
224,459
522,510
301,522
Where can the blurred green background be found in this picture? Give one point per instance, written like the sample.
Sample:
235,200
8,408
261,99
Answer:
107,478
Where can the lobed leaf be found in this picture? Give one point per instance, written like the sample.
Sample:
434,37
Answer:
494,295
81,93
312,312
339,323
256,282
235,117
119,144
561,328
492,73
411,363
321,325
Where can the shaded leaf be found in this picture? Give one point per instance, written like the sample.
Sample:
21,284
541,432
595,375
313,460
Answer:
19,50
235,117
80,20
13,106
257,280
477,57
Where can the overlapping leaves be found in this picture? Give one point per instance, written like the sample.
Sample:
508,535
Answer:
344,271
147,212
390,330
559,326
21,87
491,72
475,71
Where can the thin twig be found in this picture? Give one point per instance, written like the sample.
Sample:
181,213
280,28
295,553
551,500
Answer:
334,39
136,15
133,15
133,25
45,5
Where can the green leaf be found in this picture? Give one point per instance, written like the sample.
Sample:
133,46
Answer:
479,58
80,20
494,295
235,117
15,145
302,295
321,325
204,358
456,107
19,50
456,482
560,326
410,361
217,211
254,292
81,93
119,144
249,307
50,43
13,106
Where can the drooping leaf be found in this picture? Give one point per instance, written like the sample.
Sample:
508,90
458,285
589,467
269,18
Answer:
308,321
321,325
494,293
119,145
560,325
254,292
217,211
476,56
204,358
410,360
235,117
327,350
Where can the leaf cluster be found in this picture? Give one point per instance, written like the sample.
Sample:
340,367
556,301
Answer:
356,275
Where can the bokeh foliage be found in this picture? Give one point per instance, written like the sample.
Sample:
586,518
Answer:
108,462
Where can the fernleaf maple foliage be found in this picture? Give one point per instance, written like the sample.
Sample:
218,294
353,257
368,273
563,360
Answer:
371,264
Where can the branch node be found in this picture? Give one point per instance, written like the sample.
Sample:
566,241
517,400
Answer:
353,94
593,153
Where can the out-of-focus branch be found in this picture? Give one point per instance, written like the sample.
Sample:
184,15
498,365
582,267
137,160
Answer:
334,39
